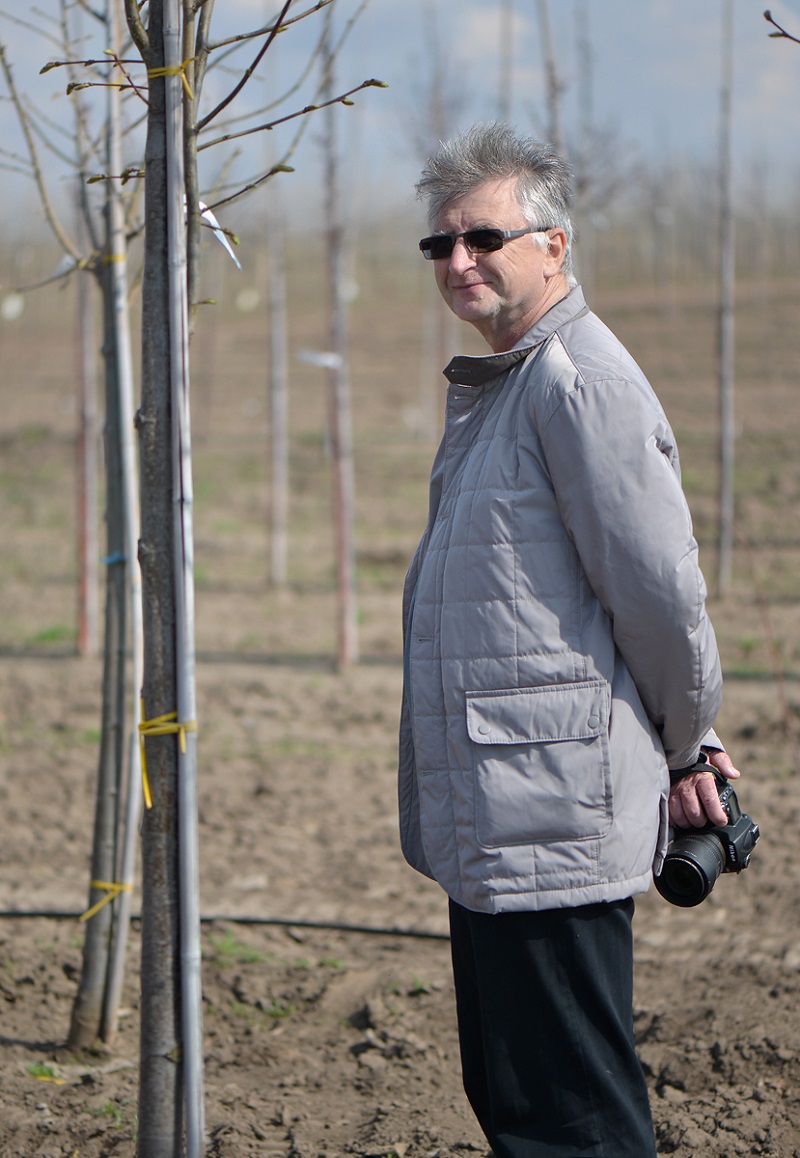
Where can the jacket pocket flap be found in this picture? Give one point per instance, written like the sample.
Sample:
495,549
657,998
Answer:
538,715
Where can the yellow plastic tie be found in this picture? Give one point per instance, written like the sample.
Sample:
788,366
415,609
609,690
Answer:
112,890
166,725
110,258
174,70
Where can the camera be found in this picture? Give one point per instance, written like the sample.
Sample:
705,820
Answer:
697,856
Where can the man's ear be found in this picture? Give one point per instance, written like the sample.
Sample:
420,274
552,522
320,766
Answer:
556,251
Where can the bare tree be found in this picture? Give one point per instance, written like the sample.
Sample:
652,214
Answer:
727,280
279,398
586,152
341,422
87,468
432,118
438,97
554,86
506,59
101,250
174,42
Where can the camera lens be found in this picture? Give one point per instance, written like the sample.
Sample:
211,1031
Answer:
691,869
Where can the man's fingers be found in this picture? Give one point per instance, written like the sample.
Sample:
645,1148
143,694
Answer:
723,763
695,800
676,813
708,797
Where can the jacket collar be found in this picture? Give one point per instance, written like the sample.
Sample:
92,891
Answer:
475,371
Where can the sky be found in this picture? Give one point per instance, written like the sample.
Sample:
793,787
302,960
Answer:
653,69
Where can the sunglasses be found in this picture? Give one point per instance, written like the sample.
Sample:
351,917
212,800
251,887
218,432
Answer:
441,245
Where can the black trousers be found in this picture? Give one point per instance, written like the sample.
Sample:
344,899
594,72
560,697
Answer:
545,1021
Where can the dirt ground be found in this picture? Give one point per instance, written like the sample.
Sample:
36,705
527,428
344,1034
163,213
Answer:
328,1007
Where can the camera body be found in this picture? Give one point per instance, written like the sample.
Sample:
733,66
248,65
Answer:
698,856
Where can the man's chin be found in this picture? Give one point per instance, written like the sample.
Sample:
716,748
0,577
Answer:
471,306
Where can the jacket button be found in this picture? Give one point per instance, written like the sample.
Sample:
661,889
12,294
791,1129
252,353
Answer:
484,729
594,721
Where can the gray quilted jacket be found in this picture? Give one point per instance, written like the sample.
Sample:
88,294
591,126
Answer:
558,654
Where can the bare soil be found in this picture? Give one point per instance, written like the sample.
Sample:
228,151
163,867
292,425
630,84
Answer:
328,1006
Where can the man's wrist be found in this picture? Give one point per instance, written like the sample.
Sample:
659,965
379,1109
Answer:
701,764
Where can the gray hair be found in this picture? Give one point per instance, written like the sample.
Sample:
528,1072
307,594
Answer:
491,151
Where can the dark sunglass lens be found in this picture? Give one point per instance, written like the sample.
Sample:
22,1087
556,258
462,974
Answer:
436,247
483,240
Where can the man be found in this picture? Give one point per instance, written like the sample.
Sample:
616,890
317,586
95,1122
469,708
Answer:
558,661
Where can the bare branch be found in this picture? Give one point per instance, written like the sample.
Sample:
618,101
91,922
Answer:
30,27
302,77
85,148
218,183
120,63
62,273
282,166
344,99
51,64
38,175
86,7
190,179
136,27
44,16
781,34
201,47
250,186
269,27
348,28
278,101
21,162
25,170
276,28
297,85
47,142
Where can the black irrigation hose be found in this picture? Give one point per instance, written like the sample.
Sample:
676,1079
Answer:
286,922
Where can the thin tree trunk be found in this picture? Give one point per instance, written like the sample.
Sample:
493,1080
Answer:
279,400
341,416
88,553
439,344
171,1029
190,180
117,291
554,85
96,1006
180,196
586,176
506,60
726,312
440,325
87,474
160,1103
429,350
87,1008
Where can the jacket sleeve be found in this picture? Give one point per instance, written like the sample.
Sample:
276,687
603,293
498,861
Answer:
614,467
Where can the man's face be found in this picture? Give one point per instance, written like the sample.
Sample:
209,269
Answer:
505,292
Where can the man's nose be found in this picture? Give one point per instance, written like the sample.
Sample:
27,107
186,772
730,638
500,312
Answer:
461,258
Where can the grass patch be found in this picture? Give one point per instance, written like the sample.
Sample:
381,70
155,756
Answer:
229,951
44,1072
278,1008
57,633
112,1110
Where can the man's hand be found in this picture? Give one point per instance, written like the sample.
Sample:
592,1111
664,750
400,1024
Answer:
694,800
